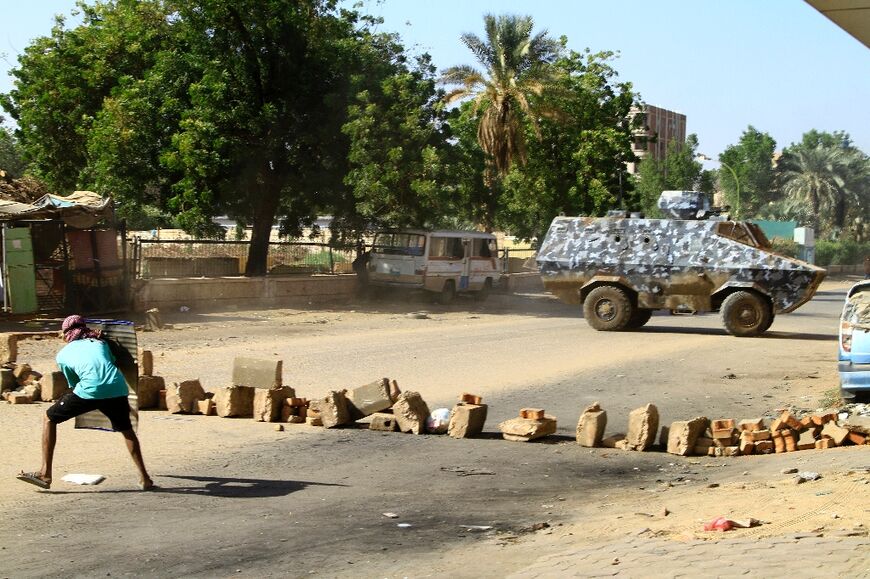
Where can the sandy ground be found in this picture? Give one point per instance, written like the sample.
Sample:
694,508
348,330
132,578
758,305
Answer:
524,351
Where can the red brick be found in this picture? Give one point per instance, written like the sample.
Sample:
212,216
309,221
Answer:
532,413
760,435
161,400
723,433
778,441
722,424
790,441
470,399
751,424
857,438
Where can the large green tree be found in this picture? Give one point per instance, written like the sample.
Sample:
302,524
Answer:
576,165
399,161
517,68
825,181
62,80
751,161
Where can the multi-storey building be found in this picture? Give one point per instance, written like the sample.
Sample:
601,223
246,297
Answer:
658,127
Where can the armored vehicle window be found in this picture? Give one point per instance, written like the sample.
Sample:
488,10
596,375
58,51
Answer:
745,233
447,247
399,243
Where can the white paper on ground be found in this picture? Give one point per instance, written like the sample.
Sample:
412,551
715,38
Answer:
84,479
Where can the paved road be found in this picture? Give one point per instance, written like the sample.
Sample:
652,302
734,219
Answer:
312,501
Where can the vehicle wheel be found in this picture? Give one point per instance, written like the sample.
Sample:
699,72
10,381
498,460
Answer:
639,317
607,308
746,314
483,293
769,323
448,292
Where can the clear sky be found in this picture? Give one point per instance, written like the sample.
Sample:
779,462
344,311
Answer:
778,65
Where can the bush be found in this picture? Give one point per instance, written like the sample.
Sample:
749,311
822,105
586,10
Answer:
843,252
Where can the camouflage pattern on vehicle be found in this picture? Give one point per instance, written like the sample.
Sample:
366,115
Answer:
621,269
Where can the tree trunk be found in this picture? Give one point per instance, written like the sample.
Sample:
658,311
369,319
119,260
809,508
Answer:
261,231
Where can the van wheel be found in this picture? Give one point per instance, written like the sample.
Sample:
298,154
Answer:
639,318
484,292
607,308
448,292
746,314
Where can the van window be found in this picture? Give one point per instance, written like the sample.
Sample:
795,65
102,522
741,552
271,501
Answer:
399,243
483,248
449,247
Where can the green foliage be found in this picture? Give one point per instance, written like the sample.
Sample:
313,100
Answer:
517,68
63,79
577,162
398,156
842,252
678,171
827,181
750,160
11,154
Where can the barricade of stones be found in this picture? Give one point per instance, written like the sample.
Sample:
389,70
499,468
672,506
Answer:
257,392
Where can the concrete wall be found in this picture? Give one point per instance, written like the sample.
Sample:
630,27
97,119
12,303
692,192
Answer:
223,292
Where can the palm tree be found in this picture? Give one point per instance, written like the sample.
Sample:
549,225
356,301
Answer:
811,176
516,68
829,179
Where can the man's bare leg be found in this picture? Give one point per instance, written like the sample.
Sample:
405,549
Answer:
49,439
132,441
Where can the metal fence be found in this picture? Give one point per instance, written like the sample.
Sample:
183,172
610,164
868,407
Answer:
155,258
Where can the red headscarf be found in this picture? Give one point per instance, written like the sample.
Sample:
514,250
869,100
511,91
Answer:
74,328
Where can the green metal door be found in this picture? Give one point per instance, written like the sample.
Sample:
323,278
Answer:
20,274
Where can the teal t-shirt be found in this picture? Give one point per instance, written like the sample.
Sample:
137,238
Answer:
89,367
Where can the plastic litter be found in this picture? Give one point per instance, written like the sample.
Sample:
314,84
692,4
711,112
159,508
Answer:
438,421
84,479
404,525
391,515
477,527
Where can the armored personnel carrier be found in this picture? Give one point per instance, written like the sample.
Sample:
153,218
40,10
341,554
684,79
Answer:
623,267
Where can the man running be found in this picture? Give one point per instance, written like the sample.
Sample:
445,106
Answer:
89,367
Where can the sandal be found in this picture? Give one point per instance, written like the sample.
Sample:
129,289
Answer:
34,478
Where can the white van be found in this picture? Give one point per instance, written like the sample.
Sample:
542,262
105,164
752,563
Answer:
443,262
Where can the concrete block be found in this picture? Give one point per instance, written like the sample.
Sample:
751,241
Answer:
149,389
411,412
702,446
7,380
526,429
268,403
751,424
34,390
257,373
24,374
18,398
205,407
683,435
333,409
146,365
313,421
835,432
8,348
590,427
54,385
611,441
747,446
623,445
467,420
807,440
643,425
368,399
383,421
181,398
234,401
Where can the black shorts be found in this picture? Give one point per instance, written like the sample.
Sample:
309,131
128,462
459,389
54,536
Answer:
117,410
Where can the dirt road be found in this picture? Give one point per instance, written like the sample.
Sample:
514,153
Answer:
239,498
